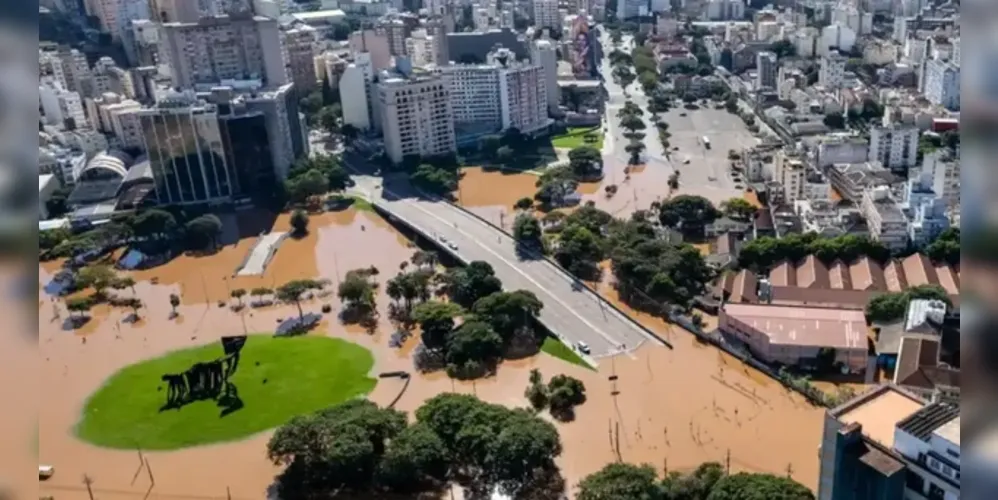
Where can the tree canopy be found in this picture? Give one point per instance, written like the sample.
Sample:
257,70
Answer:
620,480
527,231
436,320
762,253
738,208
946,247
586,162
706,482
889,307
435,180
509,313
465,285
688,213
745,486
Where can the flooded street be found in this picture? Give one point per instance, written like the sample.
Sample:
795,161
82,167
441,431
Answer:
673,409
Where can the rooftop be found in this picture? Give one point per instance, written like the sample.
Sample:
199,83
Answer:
924,422
879,411
803,326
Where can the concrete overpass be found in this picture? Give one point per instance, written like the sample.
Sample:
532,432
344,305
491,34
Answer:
571,311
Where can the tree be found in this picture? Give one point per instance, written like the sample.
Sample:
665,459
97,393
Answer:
523,445
745,486
509,313
349,132
585,161
292,291
629,109
416,457
784,48
504,154
174,302
424,258
311,104
527,231
620,480
489,145
634,149
204,230
333,449
98,277
434,180
79,305
946,247
154,224
674,180
299,222
888,307
312,183
134,304
731,104
436,321
238,294
695,485
466,285
564,394
357,291
123,283
329,118
579,250
738,208
688,213
410,287
524,204
632,123
648,81
537,392
474,341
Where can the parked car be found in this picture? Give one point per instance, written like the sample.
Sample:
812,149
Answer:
582,347
452,245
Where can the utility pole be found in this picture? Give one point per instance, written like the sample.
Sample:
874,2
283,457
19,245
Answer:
88,481
790,470
727,462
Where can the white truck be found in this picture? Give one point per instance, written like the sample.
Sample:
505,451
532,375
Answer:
706,142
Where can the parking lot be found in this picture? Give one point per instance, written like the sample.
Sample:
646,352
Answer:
707,174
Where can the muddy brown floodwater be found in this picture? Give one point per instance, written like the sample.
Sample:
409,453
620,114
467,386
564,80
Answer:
674,408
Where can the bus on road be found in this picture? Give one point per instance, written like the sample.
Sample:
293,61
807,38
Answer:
706,142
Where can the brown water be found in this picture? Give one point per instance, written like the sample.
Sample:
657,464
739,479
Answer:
675,408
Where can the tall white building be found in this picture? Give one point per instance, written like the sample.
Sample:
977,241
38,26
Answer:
943,171
725,10
832,71
481,20
791,173
895,147
355,92
884,218
854,18
766,70
114,15
70,68
61,107
546,14
419,47
942,84
544,54
416,117
223,48
298,48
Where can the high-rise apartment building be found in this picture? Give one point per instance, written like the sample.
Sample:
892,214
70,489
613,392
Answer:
373,43
544,54
627,9
223,48
61,107
395,31
416,117
436,28
546,14
895,147
832,71
943,172
942,84
114,15
356,92
70,68
420,48
286,131
767,68
299,51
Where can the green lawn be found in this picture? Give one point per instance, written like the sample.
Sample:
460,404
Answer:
556,348
277,378
575,137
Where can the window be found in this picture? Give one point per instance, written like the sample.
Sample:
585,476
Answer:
953,453
935,492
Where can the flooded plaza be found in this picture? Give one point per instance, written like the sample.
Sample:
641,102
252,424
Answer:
671,408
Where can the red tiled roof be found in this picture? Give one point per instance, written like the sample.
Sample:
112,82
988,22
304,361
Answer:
783,275
866,274
894,276
918,270
839,276
948,279
812,273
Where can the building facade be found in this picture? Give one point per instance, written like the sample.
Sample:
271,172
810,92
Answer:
942,84
832,71
766,70
417,119
895,147
374,44
223,48
299,51
355,92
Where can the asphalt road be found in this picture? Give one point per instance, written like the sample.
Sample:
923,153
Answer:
570,311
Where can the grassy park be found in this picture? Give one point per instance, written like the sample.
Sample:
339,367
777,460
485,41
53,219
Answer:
556,348
276,378
576,136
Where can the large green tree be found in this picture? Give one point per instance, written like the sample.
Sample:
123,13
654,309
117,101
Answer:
745,486
509,312
527,231
586,162
620,481
465,285
436,321
474,342
415,458
688,213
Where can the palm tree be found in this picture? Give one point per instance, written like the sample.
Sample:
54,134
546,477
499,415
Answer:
174,302
238,294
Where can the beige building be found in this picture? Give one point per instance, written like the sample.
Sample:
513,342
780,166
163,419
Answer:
794,335
373,43
416,117
395,32
223,48
420,48
299,51
791,173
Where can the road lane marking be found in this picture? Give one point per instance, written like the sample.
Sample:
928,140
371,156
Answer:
610,340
